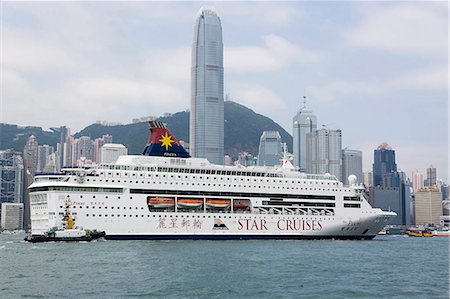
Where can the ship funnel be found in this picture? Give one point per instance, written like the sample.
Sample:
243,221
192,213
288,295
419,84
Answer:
163,143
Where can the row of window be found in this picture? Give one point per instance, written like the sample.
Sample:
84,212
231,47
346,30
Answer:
76,189
179,177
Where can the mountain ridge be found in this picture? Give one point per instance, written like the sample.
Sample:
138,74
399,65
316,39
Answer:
243,129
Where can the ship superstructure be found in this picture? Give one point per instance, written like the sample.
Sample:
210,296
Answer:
165,194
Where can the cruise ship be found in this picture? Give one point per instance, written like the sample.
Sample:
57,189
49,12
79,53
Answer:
166,194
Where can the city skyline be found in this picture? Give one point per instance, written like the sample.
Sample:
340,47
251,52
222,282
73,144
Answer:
361,66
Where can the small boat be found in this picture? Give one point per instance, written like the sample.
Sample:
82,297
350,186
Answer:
241,204
441,232
420,233
160,202
66,235
189,203
217,203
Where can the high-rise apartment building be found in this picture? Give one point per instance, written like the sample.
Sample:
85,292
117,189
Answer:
11,176
64,133
30,155
206,136
324,152
84,149
431,176
351,164
304,122
270,148
44,152
417,180
383,164
428,206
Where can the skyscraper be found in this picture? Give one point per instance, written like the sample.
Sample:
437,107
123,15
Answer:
30,155
417,180
304,122
428,206
352,164
383,164
324,152
270,149
431,176
207,111
11,176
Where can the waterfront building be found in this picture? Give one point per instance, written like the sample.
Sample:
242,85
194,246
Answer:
324,152
383,165
428,206
351,164
270,149
110,152
304,122
391,188
396,199
431,176
11,176
207,102
11,216
417,180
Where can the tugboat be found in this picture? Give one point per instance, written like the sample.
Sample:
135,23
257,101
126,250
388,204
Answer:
67,232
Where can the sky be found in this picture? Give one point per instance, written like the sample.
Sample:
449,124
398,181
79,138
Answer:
376,70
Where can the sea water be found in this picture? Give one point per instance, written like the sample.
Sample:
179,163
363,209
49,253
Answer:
386,267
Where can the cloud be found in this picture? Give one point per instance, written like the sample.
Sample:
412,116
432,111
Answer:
420,80
270,13
276,53
402,28
169,64
427,78
257,97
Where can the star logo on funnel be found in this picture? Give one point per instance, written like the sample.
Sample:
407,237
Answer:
166,140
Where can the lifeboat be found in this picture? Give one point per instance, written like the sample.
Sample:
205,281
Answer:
241,204
189,203
161,202
217,203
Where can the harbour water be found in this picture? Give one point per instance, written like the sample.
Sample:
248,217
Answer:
386,267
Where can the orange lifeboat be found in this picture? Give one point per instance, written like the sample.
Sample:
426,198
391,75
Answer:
217,203
160,202
189,203
241,204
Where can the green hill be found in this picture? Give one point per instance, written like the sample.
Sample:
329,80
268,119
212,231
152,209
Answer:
243,128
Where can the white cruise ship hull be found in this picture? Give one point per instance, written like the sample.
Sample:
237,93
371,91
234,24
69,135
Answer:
202,200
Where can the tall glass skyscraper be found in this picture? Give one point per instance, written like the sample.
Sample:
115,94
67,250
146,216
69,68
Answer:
270,147
324,152
384,166
207,112
351,164
304,122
